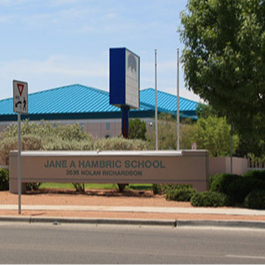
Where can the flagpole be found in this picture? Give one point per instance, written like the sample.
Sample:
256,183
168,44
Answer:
178,119
156,120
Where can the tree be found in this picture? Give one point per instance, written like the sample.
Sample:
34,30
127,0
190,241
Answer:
224,60
167,133
205,111
213,134
137,129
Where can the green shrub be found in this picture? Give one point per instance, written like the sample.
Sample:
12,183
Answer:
164,188
221,182
255,199
209,199
4,179
44,136
180,194
211,179
119,143
137,129
157,189
255,174
28,142
240,188
79,187
6,145
60,144
33,186
44,129
235,187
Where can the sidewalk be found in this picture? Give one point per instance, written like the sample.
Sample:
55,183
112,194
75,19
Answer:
110,208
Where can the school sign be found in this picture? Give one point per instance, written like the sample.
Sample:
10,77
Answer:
172,167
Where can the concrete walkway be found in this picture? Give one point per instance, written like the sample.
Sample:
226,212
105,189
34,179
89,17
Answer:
180,210
246,222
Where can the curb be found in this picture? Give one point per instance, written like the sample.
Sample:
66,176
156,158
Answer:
219,223
106,221
140,222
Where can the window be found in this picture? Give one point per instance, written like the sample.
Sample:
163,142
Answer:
107,126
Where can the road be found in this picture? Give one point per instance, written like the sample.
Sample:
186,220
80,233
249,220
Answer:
49,243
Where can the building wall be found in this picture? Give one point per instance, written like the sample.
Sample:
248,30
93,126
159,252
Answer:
223,165
3,125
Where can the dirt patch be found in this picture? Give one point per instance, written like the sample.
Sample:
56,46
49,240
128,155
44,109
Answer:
95,197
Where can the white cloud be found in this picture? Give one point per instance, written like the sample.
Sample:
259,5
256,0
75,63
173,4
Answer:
14,2
51,72
55,65
65,2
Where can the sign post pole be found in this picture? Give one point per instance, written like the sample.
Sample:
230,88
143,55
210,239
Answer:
156,115
125,121
19,164
20,105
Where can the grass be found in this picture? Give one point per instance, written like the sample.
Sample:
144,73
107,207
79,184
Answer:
94,186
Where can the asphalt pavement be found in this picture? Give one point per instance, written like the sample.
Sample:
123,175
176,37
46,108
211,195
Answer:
23,243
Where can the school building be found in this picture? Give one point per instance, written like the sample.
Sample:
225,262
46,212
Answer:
90,108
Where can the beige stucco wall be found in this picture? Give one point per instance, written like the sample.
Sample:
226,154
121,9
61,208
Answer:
3,126
223,165
182,167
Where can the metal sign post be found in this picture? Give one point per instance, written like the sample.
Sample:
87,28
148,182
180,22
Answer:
19,163
20,105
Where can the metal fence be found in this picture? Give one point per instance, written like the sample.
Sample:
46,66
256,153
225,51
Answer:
256,164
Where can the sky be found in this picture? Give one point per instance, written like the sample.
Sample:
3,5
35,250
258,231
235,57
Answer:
53,43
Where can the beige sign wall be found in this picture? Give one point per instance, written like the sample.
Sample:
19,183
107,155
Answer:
182,167
223,165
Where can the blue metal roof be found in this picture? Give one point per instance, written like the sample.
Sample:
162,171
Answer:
168,103
77,101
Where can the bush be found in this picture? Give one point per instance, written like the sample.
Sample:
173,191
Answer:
137,129
119,143
164,188
28,142
4,179
211,179
220,182
79,187
33,186
157,188
44,129
44,136
60,144
255,200
240,188
255,174
183,193
209,199
235,187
